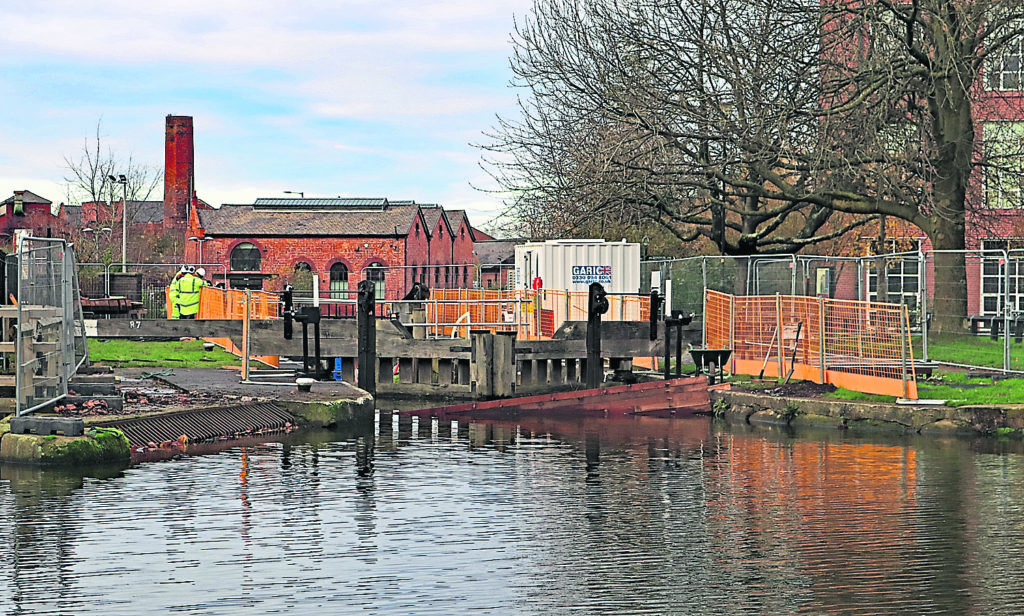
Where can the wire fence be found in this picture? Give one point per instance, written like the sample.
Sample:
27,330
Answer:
862,346
972,301
49,344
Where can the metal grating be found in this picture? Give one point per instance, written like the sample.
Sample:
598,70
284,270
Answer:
203,425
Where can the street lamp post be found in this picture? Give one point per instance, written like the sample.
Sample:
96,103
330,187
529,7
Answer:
123,181
199,240
301,194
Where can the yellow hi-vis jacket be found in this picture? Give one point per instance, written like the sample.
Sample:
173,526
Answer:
188,287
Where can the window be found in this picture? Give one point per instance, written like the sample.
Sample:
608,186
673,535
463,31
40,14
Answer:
375,273
245,257
994,277
302,279
902,278
339,281
1003,71
1004,164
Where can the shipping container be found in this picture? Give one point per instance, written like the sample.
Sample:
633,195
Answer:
571,265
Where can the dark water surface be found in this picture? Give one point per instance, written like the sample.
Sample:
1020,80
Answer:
631,516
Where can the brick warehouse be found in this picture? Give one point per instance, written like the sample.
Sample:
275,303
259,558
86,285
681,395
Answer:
269,243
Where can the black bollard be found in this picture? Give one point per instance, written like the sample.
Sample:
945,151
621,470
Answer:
366,326
656,301
596,306
286,299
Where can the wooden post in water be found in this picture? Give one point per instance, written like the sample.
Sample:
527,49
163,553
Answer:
366,327
481,358
504,365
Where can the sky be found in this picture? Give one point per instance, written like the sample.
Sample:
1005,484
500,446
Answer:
376,98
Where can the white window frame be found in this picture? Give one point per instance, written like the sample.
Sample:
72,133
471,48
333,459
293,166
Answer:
1004,173
1005,72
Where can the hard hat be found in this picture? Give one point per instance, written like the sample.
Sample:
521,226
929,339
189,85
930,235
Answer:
190,269
201,271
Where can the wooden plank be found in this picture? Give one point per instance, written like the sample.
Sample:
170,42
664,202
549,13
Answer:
7,380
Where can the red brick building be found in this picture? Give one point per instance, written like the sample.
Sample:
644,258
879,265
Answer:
273,242
25,210
995,217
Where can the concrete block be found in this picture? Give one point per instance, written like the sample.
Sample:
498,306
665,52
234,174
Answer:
68,426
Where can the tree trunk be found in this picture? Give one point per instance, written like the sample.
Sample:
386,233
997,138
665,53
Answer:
949,304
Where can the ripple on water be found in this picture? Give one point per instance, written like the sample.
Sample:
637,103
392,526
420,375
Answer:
667,517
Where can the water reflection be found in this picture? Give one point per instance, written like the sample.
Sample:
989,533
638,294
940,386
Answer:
528,516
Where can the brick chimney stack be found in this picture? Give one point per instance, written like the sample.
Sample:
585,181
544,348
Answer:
179,172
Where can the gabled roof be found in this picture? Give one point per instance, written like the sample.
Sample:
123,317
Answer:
288,220
339,203
146,211
456,217
492,252
432,215
27,197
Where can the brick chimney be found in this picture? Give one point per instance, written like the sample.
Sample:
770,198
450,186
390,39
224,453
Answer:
179,172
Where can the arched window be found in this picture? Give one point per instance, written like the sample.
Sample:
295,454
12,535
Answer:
375,272
302,279
245,257
339,281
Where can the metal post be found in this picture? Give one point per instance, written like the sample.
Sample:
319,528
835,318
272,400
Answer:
821,338
597,305
778,325
366,327
792,277
1006,310
922,276
245,336
904,330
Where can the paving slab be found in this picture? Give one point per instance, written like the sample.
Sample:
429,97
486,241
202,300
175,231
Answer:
229,383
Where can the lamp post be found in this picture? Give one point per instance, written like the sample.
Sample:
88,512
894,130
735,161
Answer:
123,181
199,240
301,194
95,236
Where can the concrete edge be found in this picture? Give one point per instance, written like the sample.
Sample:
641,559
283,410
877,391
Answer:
330,413
741,407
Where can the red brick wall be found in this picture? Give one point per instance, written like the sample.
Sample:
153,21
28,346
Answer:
462,252
280,256
440,254
179,170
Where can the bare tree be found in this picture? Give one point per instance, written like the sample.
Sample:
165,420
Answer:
89,178
761,125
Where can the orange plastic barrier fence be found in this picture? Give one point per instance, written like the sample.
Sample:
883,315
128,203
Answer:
861,346
230,304
532,314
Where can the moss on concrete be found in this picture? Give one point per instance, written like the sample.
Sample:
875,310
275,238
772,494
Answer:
330,414
97,446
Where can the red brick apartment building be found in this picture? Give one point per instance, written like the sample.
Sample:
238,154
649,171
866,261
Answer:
995,217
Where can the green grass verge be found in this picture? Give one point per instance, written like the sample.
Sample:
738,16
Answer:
956,389
125,353
970,350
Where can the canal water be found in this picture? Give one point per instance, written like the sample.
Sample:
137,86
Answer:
627,516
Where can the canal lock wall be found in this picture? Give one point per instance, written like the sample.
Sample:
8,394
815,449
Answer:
759,409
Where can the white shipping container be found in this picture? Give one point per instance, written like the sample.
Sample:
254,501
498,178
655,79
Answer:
571,265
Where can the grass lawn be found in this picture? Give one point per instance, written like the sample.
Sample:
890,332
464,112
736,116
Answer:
970,350
956,389
125,353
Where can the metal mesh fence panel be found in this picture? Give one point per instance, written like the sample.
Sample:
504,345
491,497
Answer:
50,342
862,346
